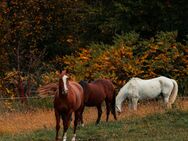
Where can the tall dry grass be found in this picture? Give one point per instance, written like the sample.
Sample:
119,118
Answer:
21,122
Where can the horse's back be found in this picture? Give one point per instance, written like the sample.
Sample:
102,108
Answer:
150,88
105,83
98,90
143,89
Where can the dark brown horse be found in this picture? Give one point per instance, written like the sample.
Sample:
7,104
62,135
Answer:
96,93
69,99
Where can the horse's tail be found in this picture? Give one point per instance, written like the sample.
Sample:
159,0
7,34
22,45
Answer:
50,89
113,104
174,92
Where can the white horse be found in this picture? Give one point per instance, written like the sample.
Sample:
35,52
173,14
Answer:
138,89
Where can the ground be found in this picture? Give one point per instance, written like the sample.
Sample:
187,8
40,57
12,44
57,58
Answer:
15,122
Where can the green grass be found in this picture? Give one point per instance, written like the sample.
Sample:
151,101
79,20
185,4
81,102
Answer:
172,126
30,104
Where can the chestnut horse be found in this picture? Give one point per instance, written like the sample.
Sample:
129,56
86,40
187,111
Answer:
96,93
69,99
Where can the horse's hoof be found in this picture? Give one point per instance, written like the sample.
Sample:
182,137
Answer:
74,138
96,124
57,139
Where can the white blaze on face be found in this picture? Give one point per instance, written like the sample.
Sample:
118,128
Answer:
64,78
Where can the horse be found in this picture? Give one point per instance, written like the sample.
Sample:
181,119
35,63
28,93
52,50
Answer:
137,89
96,93
69,99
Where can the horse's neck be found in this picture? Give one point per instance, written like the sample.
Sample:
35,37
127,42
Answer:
122,94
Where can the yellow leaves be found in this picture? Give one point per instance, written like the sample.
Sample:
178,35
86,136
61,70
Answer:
162,57
144,56
153,48
50,77
125,52
69,40
160,43
84,58
8,91
106,58
84,55
112,68
118,62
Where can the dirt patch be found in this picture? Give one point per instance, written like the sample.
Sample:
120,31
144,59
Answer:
30,121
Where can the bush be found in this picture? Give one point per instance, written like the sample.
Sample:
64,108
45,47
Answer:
130,56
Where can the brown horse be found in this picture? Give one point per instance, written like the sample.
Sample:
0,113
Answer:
98,91
69,99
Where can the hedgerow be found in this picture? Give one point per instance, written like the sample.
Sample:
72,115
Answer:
131,56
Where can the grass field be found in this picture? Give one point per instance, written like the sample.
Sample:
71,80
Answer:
150,123
171,125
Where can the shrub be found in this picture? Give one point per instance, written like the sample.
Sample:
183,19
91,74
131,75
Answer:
130,56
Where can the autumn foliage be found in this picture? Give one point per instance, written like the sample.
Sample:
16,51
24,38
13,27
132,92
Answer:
92,39
130,56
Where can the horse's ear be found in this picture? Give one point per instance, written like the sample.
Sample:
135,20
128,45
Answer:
67,71
63,72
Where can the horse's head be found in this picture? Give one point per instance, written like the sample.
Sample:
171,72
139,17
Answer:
63,83
118,110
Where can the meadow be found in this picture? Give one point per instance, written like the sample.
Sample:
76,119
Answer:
150,123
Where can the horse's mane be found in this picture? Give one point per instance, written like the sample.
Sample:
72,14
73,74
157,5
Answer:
83,83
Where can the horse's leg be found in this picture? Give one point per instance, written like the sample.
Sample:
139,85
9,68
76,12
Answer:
66,124
113,106
107,109
81,116
130,104
57,116
77,116
135,102
99,113
113,110
114,114
166,101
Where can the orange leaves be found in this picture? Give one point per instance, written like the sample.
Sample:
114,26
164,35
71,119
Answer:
84,55
119,62
125,52
162,57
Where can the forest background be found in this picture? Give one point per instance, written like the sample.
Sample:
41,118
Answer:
92,39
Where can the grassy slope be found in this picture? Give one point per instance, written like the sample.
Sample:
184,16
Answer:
169,126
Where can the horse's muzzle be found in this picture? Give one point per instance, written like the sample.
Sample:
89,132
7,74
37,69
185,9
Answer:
64,92
118,110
